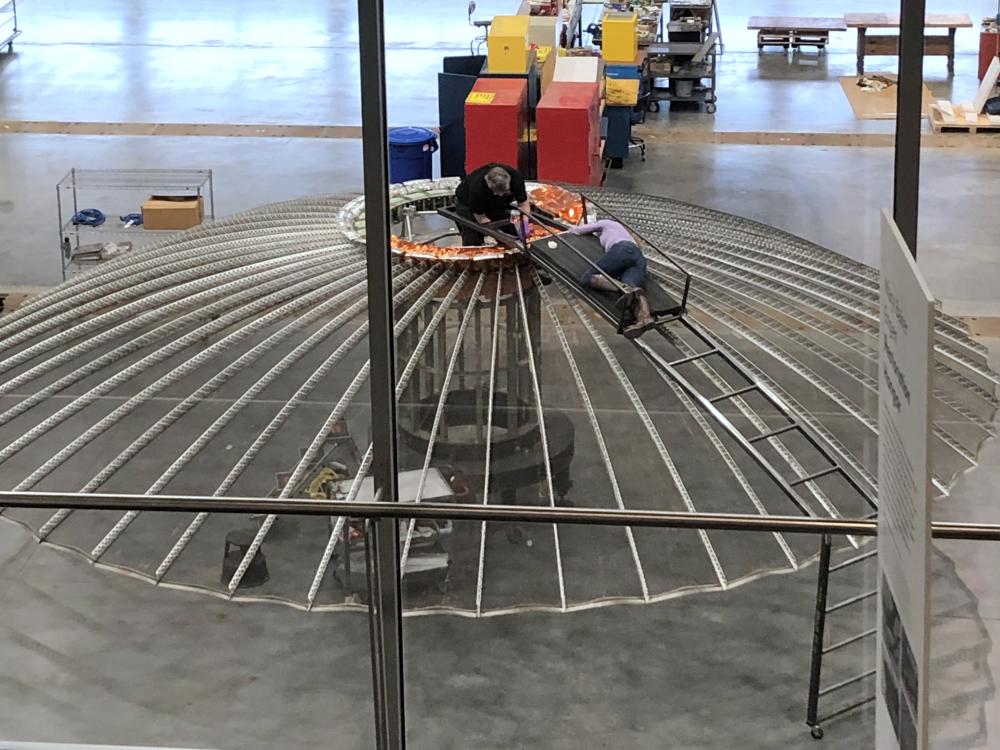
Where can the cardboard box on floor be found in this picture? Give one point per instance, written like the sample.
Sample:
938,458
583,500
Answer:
172,212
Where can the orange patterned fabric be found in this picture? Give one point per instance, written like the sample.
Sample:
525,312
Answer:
551,198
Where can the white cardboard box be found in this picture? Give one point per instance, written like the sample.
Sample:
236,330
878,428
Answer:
578,70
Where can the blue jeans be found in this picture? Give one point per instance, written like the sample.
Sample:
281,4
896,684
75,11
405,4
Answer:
623,261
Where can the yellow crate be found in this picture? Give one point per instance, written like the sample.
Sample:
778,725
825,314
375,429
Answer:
619,37
507,46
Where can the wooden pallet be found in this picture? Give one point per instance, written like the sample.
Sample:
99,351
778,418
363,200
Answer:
941,123
792,38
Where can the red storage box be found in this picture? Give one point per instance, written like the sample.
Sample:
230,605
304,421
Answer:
989,47
568,119
496,123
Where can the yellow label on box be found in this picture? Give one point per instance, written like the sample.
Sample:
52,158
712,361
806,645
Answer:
481,97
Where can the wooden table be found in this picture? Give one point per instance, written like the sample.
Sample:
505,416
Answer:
794,31
888,44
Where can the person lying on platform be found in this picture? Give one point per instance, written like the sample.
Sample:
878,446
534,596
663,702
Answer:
485,195
623,262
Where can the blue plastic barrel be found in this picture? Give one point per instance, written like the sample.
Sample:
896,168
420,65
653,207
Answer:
410,151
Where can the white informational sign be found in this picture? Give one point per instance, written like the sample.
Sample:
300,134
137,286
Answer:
905,356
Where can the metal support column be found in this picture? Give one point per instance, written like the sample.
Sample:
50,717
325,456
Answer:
385,608
819,634
909,102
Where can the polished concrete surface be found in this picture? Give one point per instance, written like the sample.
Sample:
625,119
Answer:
95,657
245,62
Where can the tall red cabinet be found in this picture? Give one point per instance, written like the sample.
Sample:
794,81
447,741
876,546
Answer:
496,123
568,119
989,47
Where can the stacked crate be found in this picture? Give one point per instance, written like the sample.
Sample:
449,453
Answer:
496,123
569,134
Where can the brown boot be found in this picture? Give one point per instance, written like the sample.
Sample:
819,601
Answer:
643,317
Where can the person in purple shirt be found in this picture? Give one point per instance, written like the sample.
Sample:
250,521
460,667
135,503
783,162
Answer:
624,261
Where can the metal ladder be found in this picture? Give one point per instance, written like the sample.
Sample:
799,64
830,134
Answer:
788,486
709,403
819,648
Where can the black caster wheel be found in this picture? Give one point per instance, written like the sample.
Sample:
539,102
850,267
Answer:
817,733
653,107
710,109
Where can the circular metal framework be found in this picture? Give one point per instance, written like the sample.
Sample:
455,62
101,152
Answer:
231,359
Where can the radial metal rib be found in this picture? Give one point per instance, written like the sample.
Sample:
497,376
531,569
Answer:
654,434
401,382
489,441
283,414
439,412
594,424
541,430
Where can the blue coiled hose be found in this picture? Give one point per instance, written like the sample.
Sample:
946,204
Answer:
89,217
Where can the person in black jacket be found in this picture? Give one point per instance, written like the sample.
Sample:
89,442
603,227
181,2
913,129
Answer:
485,195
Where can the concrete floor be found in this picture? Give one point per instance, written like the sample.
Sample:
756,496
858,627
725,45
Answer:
94,657
831,196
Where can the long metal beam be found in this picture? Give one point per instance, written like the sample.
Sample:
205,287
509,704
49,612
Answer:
909,102
589,516
386,610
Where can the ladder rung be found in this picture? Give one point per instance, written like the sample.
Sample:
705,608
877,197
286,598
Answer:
846,709
849,641
845,683
774,433
852,600
692,358
732,394
817,475
854,560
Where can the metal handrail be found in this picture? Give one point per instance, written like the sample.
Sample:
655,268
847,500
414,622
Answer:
476,512
490,229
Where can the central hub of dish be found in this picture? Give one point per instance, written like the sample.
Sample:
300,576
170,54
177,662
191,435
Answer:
421,234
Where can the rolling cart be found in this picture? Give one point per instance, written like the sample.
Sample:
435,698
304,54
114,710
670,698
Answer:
682,68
